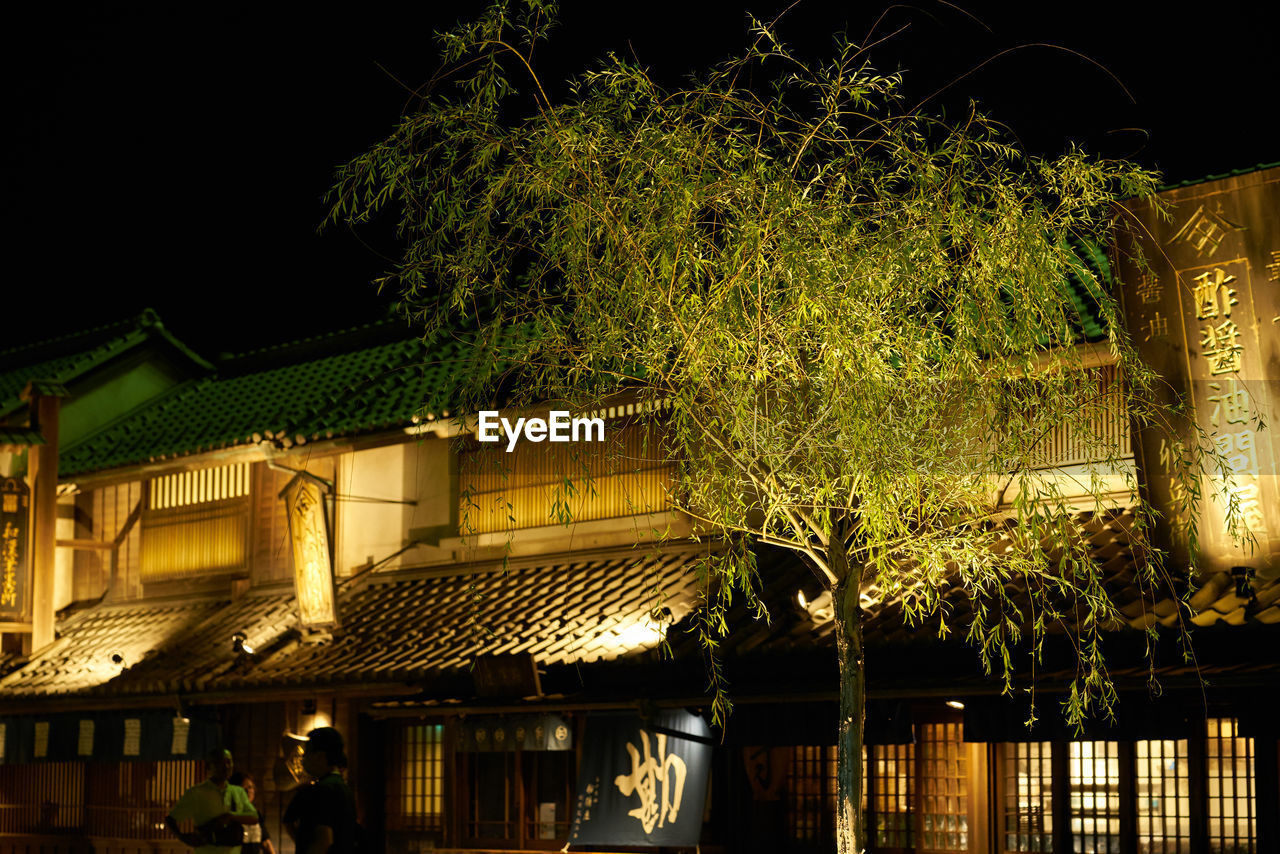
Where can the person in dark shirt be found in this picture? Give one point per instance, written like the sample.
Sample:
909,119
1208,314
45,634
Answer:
321,818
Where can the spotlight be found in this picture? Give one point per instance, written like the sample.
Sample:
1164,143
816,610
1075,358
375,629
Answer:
239,645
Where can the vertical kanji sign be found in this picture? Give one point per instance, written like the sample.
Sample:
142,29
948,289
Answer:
312,560
1205,315
15,533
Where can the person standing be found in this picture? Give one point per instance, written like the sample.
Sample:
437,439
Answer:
256,838
321,818
219,809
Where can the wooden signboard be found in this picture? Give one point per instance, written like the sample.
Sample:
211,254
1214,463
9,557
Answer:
1206,317
15,539
312,559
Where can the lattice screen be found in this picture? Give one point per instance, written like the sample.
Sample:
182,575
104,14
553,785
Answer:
893,794
415,800
1094,796
1028,797
1232,821
944,795
1163,797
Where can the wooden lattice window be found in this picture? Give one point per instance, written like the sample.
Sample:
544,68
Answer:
119,800
129,800
944,795
415,797
1163,796
1094,795
540,483
202,486
42,798
1232,821
892,786
1028,797
196,522
811,793
490,782
549,781
1107,424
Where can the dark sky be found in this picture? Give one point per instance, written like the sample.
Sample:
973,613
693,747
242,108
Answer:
174,156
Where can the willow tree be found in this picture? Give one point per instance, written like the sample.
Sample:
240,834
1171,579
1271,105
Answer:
859,319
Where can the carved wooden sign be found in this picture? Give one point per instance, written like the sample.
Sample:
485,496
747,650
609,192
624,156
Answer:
1206,317
312,559
15,534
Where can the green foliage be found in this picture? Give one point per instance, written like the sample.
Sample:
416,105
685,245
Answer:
857,317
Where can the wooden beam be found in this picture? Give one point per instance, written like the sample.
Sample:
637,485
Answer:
85,545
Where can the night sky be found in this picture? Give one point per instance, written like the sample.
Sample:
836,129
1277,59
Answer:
176,157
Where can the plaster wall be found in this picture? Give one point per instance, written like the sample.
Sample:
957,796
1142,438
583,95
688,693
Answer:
391,496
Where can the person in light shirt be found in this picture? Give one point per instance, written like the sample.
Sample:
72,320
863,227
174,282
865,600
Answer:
214,806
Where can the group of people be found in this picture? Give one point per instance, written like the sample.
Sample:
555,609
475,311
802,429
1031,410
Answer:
321,818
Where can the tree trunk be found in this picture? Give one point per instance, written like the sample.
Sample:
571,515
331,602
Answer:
850,828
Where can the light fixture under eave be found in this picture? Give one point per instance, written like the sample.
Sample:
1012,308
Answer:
955,704
239,644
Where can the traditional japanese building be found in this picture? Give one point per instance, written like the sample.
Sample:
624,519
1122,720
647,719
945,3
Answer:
299,536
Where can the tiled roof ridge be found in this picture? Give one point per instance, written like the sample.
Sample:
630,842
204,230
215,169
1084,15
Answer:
348,392
158,401
172,600
1233,173
124,325
651,553
301,346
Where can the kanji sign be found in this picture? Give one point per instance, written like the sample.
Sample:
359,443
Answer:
15,530
312,559
643,780
1205,315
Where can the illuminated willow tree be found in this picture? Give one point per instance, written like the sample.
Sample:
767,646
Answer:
858,318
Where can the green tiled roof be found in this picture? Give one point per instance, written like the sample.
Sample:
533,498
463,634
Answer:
362,380
1093,257
67,357
20,436
1234,173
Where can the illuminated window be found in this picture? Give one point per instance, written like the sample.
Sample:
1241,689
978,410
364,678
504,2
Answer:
944,778
1028,797
196,522
1163,797
1104,420
199,487
543,484
1094,796
415,800
1231,821
892,782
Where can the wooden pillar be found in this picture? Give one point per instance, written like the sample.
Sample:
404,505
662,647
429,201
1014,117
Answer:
44,399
